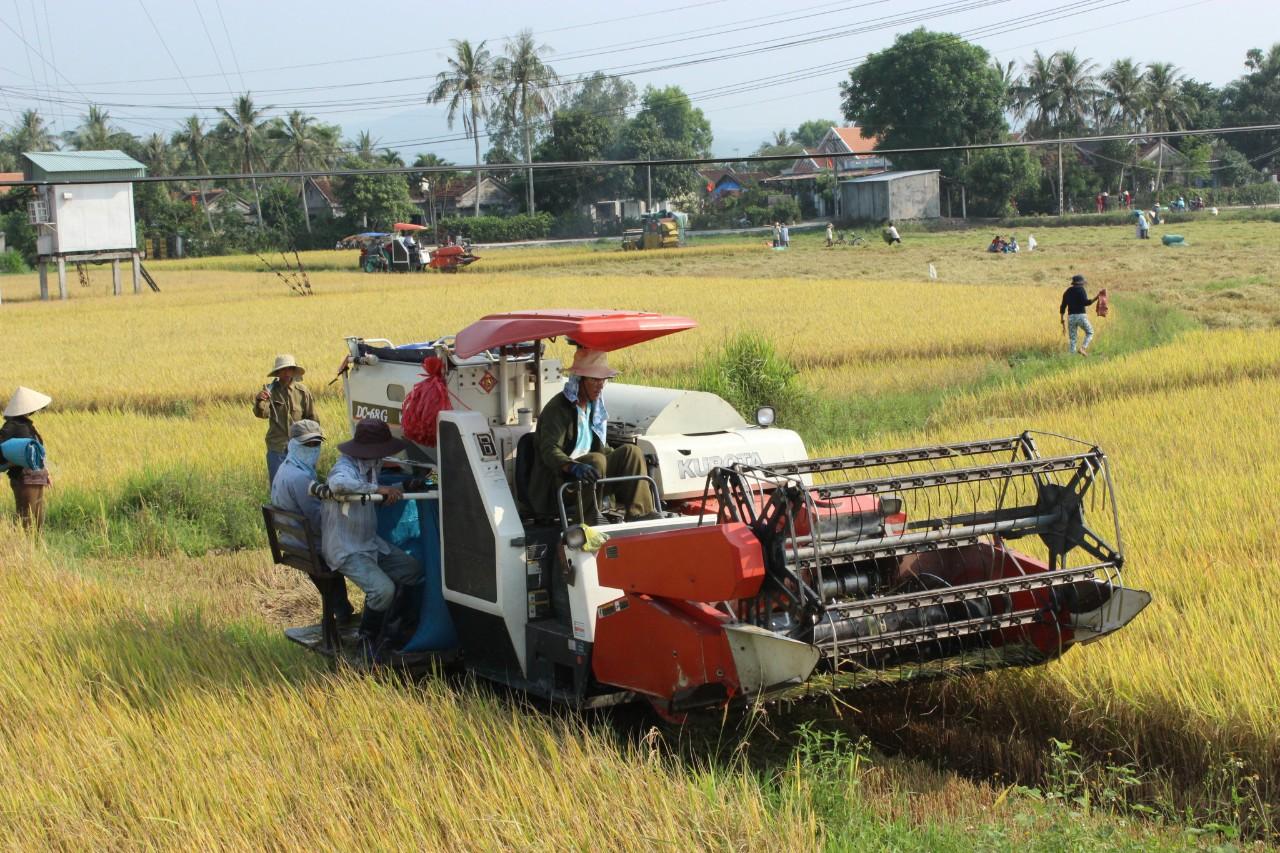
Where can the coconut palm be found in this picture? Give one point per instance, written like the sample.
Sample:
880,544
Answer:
1036,94
31,134
1009,82
365,147
245,131
464,85
306,146
526,81
156,155
1125,85
1164,104
1078,90
193,150
95,132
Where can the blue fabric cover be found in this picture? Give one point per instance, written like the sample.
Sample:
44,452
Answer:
23,452
415,527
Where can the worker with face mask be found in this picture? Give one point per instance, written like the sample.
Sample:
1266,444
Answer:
296,484
351,543
282,401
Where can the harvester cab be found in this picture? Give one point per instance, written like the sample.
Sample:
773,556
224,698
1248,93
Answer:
662,229
768,573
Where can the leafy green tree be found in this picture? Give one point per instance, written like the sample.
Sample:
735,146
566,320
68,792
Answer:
576,135
605,96
667,126
995,177
810,133
927,89
1233,168
1255,99
373,200
527,83
1202,102
464,86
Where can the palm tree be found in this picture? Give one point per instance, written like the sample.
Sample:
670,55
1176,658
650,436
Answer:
1036,94
390,158
243,128
156,155
304,148
191,141
31,134
1165,106
526,82
464,84
95,132
365,147
1124,82
1078,90
1009,82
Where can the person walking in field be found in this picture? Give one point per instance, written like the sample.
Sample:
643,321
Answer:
786,236
831,236
281,402
1072,313
27,474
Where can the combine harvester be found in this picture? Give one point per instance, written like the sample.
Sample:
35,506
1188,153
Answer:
770,575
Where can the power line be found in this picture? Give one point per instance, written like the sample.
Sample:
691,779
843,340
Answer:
230,44
670,161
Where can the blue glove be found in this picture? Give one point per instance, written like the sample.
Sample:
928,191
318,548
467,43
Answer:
583,473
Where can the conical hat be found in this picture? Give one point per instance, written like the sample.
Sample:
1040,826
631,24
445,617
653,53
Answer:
25,402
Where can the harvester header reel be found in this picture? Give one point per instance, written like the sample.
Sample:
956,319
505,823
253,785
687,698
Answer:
899,556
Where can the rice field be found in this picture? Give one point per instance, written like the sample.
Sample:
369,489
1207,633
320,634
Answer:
150,692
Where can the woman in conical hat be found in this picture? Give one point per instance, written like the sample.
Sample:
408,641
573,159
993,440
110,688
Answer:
27,483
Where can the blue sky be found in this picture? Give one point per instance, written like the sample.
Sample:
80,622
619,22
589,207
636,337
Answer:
752,66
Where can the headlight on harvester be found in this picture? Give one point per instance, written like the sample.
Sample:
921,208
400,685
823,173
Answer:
765,416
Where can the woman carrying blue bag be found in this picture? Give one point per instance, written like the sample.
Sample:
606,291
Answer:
23,454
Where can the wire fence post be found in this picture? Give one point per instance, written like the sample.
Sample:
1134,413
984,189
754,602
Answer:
1060,209
648,182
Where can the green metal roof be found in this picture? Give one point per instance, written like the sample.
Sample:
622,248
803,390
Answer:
73,165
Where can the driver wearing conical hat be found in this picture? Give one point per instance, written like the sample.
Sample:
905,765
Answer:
27,482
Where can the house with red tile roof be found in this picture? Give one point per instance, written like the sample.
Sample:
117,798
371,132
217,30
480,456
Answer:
848,152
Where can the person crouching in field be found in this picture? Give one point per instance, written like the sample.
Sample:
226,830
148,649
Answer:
1073,314
281,402
891,235
27,482
295,489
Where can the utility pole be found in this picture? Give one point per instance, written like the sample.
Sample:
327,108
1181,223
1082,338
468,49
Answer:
964,204
1060,209
648,181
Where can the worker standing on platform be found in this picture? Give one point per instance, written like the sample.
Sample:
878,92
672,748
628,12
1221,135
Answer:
281,402
27,477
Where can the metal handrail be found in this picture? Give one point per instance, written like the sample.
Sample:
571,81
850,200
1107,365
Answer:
599,483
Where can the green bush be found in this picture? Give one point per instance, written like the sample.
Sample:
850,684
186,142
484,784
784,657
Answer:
500,229
749,373
12,262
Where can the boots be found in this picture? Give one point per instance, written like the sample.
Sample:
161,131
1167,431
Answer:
370,636
403,615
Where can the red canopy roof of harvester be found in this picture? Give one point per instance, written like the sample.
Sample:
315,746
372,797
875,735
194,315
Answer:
595,329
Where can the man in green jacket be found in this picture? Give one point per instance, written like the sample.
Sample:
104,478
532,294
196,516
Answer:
281,402
570,440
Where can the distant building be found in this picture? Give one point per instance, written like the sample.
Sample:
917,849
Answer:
843,152
891,196
219,201
457,197
719,183
9,176
320,199
84,213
